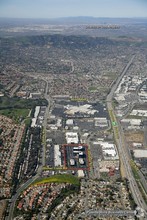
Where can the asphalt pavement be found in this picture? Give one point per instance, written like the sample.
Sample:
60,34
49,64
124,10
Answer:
25,185
121,145
15,197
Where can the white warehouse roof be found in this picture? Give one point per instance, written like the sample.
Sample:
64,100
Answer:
57,155
140,153
109,149
69,122
81,173
108,152
72,137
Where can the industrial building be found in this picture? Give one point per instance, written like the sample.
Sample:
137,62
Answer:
57,156
38,116
81,173
69,122
139,112
81,161
131,123
72,162
140,153
101,122
75,157
84,109
109,150
72,137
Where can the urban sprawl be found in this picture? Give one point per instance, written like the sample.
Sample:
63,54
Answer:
73,127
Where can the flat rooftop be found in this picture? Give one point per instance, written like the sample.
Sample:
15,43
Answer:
140,153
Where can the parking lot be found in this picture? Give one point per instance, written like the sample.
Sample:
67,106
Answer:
76,156
50,155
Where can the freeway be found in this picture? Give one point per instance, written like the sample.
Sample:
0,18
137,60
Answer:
145,132
125,162
45,123
121,146
116,83
143,181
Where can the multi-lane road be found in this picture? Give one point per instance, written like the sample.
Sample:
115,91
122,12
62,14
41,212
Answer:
124,160
145,133
18,192
39,170
121,146
45,123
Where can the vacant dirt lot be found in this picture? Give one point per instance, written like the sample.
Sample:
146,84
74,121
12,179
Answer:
132,136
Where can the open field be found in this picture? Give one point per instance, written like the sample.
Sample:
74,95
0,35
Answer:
134,136
64,178
16,114
15,102
134,170
134,117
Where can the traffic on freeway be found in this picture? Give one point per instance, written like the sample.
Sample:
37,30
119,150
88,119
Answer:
121,146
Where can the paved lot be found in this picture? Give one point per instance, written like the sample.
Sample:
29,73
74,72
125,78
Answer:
50,156
96,153
70,152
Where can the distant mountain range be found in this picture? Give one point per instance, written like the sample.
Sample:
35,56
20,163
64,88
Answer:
72,21
91,20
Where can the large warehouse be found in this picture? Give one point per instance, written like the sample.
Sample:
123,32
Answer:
72,137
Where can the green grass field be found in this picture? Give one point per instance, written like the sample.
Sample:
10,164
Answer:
15,114
134,170
61,178
18,103
92,88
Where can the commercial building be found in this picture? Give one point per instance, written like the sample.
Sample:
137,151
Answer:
72,162
75,157
34,120
72,137
81,161
57,156
81,173
109,150
101,122
138,153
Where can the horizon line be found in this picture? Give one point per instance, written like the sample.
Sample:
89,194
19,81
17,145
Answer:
74,17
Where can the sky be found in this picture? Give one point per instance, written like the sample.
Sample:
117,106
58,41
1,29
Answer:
72,8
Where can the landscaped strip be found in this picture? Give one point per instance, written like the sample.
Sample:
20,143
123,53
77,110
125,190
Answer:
61,178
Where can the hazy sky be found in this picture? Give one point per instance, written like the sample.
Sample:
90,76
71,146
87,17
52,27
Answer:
65,8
